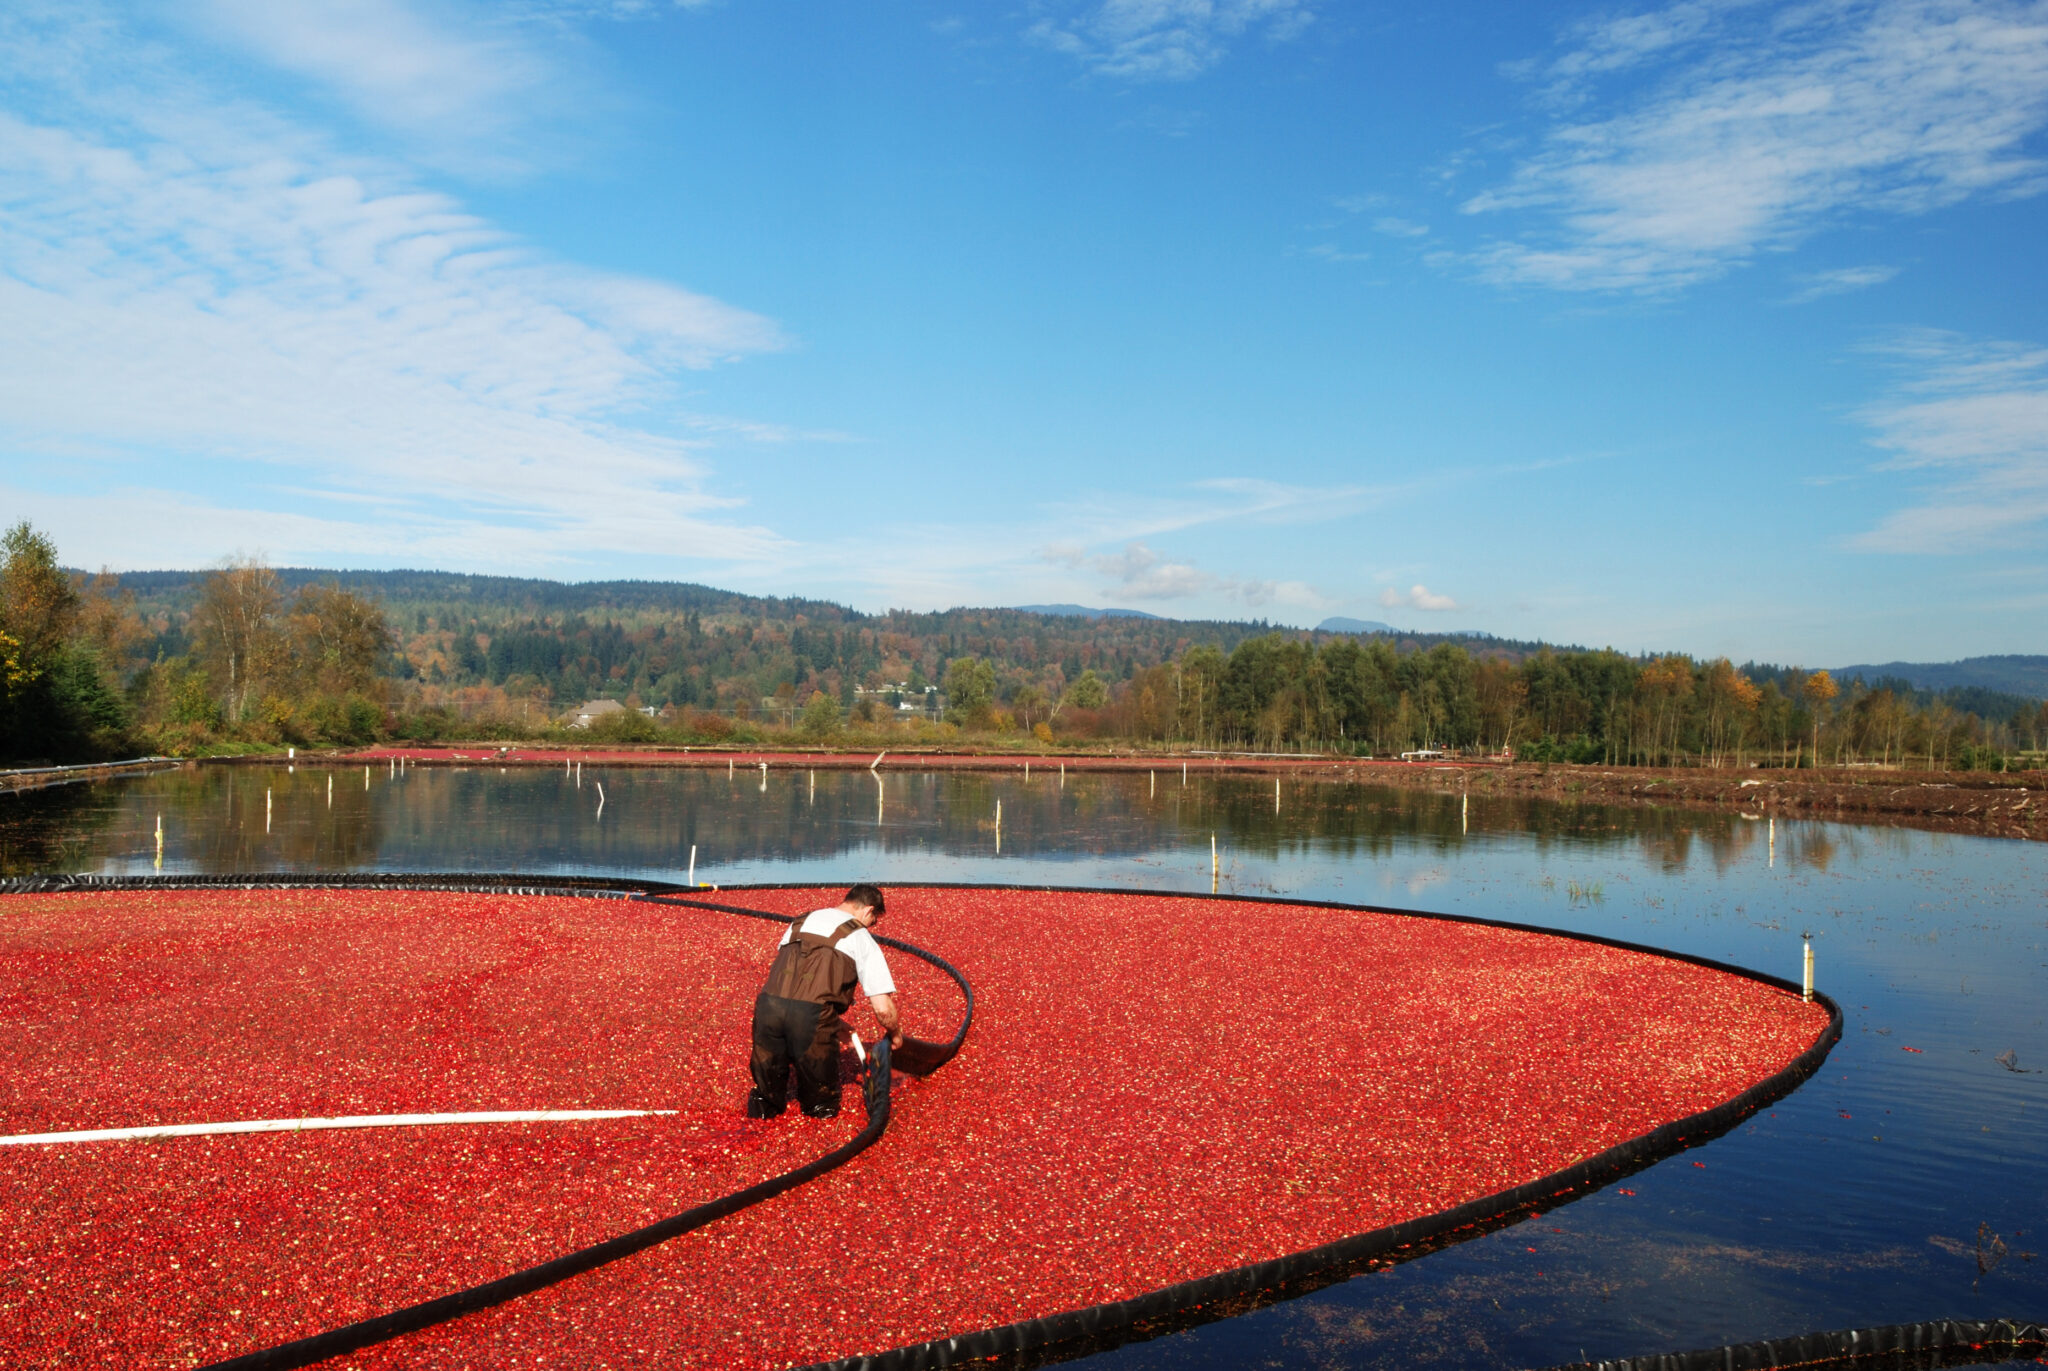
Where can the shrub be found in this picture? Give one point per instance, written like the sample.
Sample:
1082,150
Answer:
627,726
821,717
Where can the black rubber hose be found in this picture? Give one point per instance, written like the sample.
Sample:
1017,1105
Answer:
1937,1342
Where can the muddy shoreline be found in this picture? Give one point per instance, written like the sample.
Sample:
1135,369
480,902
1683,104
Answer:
1988,804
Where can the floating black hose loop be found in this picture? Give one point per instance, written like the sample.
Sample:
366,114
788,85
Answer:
1938,1342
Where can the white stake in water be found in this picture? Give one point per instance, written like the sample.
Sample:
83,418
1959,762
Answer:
1155,783
1215,865
1183,775
692,878
1773,825
1806,986
814,787
330,790
1276,794
999,827
266,809
600,799
366,778
764,778
728,768
1063,775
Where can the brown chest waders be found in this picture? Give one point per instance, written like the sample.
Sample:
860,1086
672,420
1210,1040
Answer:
798,1017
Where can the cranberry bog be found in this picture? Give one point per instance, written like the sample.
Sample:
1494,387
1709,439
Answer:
1168,1108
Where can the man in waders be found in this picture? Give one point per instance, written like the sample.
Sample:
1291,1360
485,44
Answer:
799,1016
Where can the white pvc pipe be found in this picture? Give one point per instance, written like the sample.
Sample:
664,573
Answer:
693,865
1806,987
195,1130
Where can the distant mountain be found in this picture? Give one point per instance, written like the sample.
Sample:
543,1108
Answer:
2014,675
1083,612
1340,624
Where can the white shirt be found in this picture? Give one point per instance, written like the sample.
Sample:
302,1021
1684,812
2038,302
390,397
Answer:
859,945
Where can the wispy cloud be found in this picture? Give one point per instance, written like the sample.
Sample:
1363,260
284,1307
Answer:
1818,285
1330,252
392,62
1972,420
1417,597
1400,228
182,283
1165,40
1759,125
1137,572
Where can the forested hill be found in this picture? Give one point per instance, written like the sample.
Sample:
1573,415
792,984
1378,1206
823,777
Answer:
495,599
2011,675
670,642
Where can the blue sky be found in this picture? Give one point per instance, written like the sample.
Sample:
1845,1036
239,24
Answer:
1714,326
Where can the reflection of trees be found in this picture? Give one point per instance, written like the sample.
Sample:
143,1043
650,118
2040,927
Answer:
57,828
525,819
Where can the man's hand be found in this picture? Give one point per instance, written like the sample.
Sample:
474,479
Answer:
887,1016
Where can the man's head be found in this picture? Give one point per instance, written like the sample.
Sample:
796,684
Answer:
865,897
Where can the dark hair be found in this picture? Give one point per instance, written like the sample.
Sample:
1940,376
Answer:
869,895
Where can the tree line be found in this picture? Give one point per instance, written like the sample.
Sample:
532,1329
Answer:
247,655
1280,692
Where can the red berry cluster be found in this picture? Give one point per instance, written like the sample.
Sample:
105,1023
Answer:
1156,1088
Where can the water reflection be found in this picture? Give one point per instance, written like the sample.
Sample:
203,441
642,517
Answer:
226,819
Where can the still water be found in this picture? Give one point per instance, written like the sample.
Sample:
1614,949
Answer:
1907,1181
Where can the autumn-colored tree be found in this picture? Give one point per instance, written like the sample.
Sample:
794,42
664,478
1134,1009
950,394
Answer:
38,606
337,639
1659,686
1503,694
1819,689
107,621
241,641
1730,701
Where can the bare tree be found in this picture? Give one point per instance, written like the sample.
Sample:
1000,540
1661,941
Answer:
241,640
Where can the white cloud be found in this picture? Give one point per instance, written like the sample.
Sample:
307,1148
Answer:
1417,597
1139,572
395,63
1330,252
1763,124
1170,40
1143,574
1972,420
1400,228
217,300
1819,285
